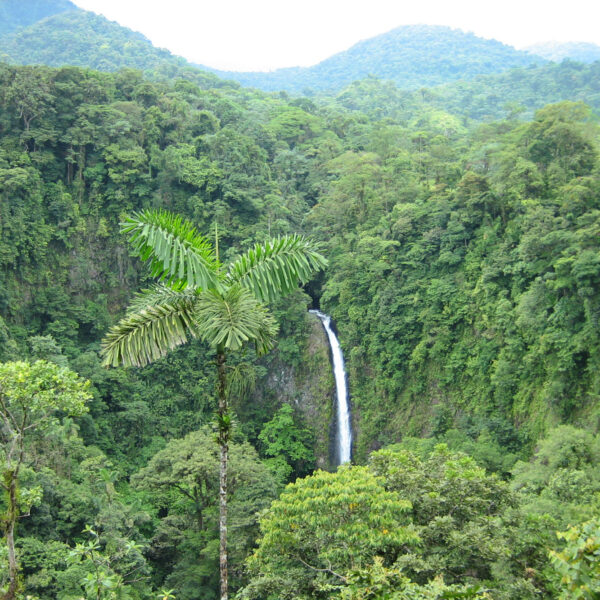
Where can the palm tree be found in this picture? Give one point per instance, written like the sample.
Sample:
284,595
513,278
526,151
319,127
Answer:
197,297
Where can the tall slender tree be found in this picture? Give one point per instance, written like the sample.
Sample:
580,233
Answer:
31,397
197,297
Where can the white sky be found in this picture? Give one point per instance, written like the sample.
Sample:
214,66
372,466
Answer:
252,35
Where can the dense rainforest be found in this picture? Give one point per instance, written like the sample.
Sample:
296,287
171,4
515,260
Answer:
461,226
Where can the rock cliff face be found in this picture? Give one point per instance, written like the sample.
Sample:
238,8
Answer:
309,388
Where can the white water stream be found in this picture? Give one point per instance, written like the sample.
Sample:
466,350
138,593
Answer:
344,427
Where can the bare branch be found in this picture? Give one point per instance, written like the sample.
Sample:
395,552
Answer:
322,570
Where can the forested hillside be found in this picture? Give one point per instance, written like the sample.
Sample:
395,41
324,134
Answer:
555,51
411,56
469,287
80,150
463,275
377,76
80,38
58,34
15,14
515,94
461,227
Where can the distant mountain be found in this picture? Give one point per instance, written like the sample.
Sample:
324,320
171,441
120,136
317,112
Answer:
19,13
557,51
57,33
83,39
412,56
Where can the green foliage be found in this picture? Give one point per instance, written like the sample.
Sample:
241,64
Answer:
225,311
13,14
234,317
322,526
376,582
81,38
84,39
158,321
399,528
32,397
467,292
275,267
513,95
177,254
85,491
578,563
413,56
287,445
562,479
463,278
100,581
183,481
457,509
32,394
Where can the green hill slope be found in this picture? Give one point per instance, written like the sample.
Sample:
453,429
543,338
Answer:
84,39
463,276
518,92
16,13
411,56
557,51
418,215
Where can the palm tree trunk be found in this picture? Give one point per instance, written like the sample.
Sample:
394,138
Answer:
224,425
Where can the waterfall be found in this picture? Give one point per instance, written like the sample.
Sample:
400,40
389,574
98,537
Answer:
344,427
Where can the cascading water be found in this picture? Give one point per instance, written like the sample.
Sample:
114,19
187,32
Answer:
344,427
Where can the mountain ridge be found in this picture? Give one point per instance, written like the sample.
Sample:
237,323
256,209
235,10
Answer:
70,37
585,52
410,55
15,14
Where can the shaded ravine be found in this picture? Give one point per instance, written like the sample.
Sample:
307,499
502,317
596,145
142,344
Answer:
344,426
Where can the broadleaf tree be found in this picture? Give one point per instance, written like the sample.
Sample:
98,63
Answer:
197,297
32,395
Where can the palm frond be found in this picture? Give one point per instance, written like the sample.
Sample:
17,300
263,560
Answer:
159,320
231,318
178,255
276,267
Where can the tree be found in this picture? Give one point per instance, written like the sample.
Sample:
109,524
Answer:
404,526
562,479
579,562
31,93
457,509
378,582
31,397
324,526
199,297
101,582
287,445
183,479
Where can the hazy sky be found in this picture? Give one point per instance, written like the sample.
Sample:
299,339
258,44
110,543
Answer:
250,35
